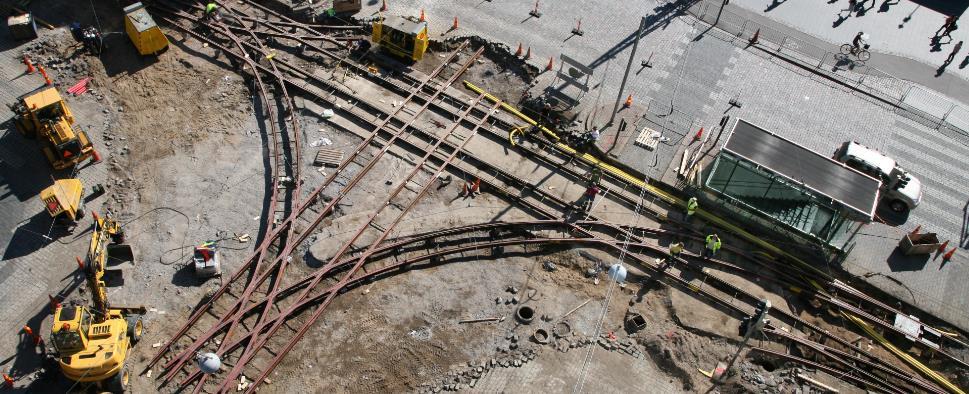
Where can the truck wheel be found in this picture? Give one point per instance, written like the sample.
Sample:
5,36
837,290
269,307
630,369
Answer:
136,327
898,206
119,382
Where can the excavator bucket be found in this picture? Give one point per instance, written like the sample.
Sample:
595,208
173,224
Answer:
120,255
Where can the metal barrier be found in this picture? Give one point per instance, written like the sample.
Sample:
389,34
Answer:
909,99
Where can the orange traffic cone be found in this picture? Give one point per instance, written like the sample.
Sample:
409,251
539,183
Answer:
455,25
629,102
80,263
518,53
383,7
44,73
30,65
528,54
916,231
54,304
94,215
948,256
943,246
755,38
551,63
699,134
422,16
7,381
95,157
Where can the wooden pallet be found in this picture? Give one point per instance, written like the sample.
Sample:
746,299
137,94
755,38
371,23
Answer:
328,157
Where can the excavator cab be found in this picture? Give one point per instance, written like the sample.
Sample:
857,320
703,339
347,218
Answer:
68,332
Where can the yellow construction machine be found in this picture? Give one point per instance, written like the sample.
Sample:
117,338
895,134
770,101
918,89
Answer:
91,343
63,200
403,37
45,116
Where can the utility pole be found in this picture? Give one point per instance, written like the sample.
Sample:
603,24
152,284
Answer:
724,4
622,87
751,326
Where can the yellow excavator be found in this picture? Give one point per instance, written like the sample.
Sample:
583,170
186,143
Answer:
45,116
63,200
91,343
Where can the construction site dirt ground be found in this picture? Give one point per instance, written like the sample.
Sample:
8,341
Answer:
185,142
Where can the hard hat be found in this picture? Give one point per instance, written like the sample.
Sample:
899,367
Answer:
617,273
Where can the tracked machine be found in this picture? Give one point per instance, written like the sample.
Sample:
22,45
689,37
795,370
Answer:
92,343
45,116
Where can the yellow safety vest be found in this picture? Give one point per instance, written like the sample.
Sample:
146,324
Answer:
713,243
676,249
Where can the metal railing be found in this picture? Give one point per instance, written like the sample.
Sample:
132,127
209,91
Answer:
909,99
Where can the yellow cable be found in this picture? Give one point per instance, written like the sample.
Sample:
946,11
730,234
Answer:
904,356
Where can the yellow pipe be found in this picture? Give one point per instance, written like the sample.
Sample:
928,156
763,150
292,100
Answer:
511,109
671,199
904,356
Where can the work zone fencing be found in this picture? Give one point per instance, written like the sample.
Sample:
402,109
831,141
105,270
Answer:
909,99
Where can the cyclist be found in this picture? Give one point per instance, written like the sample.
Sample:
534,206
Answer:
858,41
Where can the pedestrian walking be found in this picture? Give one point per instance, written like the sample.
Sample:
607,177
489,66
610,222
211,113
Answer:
712,245
949,20
691,207
590,196
852,6
952,55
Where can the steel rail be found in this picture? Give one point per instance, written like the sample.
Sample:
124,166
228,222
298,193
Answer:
294,175
362,259
831,371
288,221
844,357
181,360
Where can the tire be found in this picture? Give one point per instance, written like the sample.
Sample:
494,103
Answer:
898,206
80,213
119,382
846,49
864,55
136,328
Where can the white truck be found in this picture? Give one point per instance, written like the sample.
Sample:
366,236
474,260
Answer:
900,189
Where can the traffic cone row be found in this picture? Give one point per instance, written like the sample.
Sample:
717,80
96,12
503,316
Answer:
699,134
44,73
36,338
30,65
948,256
54,304
942,247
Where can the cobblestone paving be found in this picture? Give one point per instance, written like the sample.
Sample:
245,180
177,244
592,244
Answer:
34,265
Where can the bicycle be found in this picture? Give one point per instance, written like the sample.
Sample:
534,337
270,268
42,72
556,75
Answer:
861,53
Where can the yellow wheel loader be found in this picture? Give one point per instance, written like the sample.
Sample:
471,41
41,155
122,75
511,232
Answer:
45,116
91,343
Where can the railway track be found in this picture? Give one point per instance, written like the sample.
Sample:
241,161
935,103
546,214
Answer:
503,183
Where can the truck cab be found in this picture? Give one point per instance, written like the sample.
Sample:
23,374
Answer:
899,188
